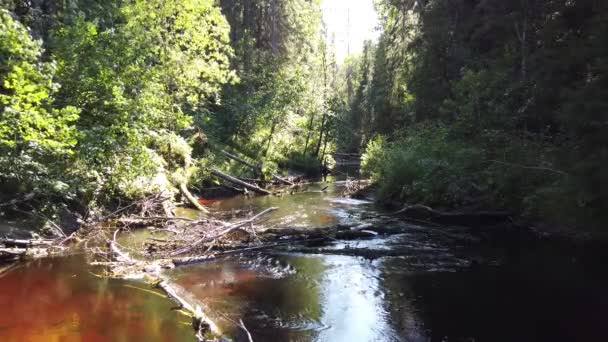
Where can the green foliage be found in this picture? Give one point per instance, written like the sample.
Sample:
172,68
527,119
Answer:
374,157
277,107
35,135
502,104
306,163
138,80
423,165
105,110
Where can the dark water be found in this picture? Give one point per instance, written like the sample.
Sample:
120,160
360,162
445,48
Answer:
435,289
342,298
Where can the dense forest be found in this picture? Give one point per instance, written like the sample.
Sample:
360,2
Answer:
111,100
231,170
489,103
460,103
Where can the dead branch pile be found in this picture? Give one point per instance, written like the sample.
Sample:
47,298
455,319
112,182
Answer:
18,249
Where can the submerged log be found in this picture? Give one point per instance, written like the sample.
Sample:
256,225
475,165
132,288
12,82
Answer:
281,233
355,234
192,260
12,252
237,181
200,321
18,253
479,218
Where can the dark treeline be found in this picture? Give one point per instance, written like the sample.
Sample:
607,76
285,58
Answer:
489,103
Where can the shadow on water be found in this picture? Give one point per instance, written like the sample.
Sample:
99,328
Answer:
343,298
295,298
436,291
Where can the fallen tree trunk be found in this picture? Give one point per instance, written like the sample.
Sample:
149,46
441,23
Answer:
281,179
20,253
200,321
120,255
246,185
480,218
191,198
13,252
256,168
25,243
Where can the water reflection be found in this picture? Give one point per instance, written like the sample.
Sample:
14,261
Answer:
352,302
59,300
315,205
433,289
324,298
343,298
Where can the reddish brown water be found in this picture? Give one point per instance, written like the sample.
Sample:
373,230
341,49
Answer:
60,300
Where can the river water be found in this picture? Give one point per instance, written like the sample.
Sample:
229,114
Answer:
431,288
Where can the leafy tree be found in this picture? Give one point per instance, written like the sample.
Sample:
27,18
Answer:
138,79
36,136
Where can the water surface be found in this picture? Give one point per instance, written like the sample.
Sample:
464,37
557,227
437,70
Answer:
431,287
60,299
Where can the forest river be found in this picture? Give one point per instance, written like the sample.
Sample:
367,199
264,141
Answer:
435,289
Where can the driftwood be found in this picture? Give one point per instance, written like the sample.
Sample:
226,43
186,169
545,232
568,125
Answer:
14,249
120,255
237,181
21,253
25,243
473,219
229,229
13,252
200,321
191,198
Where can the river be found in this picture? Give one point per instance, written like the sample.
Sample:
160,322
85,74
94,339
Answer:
434,289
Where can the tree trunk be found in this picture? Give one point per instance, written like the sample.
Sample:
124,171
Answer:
193,200
312,118
324,63
256,168
321,134
274,124
324,146
240,182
